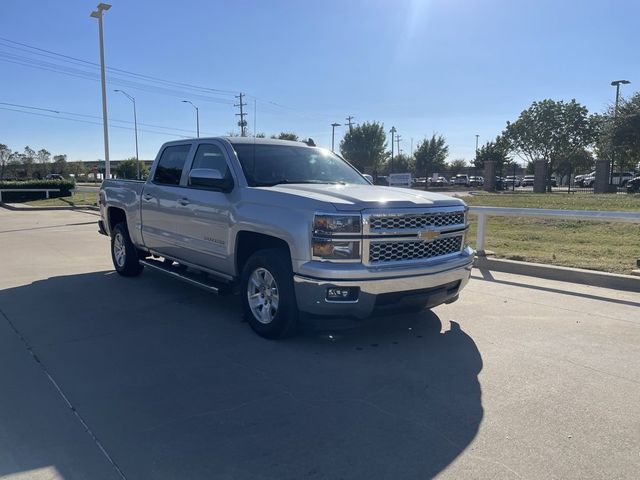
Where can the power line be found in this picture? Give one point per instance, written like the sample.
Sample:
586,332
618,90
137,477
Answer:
48,53
86,115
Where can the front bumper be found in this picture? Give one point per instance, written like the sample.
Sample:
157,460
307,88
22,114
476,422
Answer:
428,289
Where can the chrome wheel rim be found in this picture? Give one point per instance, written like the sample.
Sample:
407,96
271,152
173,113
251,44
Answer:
263,296
119,252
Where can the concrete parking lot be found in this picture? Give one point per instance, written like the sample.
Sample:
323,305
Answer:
104,377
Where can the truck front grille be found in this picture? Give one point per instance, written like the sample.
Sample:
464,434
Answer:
395,222
390,251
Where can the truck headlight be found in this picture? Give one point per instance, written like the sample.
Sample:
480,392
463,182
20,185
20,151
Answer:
335,224
333,237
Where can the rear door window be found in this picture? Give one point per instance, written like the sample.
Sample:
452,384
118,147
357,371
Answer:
170,165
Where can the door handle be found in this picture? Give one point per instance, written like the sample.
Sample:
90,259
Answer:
147,196
183,202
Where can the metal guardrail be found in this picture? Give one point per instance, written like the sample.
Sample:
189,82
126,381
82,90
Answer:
484,212
46,190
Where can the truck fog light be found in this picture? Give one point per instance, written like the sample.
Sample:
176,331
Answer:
342,294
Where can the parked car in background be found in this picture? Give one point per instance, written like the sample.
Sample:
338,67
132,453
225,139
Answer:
462,180
54,176
512,180
476,181
527,181
420,182
633,185
381,180
617,178
554,181
399,180
440,182
579,179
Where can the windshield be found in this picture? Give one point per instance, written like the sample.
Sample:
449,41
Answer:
268,165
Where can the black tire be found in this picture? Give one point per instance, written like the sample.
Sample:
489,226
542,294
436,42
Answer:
123,253
278,322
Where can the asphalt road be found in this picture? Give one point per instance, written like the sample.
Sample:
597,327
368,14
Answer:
103,377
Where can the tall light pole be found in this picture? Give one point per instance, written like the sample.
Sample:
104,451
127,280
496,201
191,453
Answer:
392,132
135,127
333,134
615,83
102,7
197,117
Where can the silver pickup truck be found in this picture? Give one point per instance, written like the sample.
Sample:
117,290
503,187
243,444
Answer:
293,228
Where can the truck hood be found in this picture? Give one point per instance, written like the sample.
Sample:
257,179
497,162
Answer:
362,197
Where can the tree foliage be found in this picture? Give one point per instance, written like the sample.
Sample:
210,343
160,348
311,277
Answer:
129,169
624,133
5,155
554,131
456,166
286,136
431,155
365,146
402,163
496,151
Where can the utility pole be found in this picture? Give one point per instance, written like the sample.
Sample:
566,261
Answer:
242,123
616,84
349,122
333,134
392,132
398,138
411,146
102,7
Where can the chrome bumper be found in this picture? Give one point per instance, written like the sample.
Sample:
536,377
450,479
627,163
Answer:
430,289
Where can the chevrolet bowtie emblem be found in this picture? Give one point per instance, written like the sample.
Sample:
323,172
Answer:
428,235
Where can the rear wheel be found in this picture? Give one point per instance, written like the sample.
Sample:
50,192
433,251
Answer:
123,253
268,296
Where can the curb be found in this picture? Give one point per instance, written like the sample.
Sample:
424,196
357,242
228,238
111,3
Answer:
594,278
13,207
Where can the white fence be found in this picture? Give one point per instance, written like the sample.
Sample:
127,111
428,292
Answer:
484,212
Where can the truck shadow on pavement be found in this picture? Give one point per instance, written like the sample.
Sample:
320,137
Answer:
174,384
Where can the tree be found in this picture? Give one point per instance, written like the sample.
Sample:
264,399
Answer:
624,133
27,161
5,155
43,156
286,136
496,151
261,135
402,163
60,164
431,154
365,146
552,131
458,165
129,169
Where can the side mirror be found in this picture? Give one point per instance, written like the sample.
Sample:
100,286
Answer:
210,178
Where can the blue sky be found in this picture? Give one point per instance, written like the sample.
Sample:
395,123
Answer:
456,67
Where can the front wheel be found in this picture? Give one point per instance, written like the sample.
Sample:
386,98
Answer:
268,296
123,252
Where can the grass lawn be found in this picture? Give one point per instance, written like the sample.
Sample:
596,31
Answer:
610,247
78,199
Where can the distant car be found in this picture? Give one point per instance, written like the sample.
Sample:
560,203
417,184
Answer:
420,182
511,181
527,181
579,180
633,185
441,182
476,181
381,180
461,180
54,176
554,181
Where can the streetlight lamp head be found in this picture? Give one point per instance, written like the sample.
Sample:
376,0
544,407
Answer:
620,82
95,14
103,6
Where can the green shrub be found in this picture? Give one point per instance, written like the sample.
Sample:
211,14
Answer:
65,187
